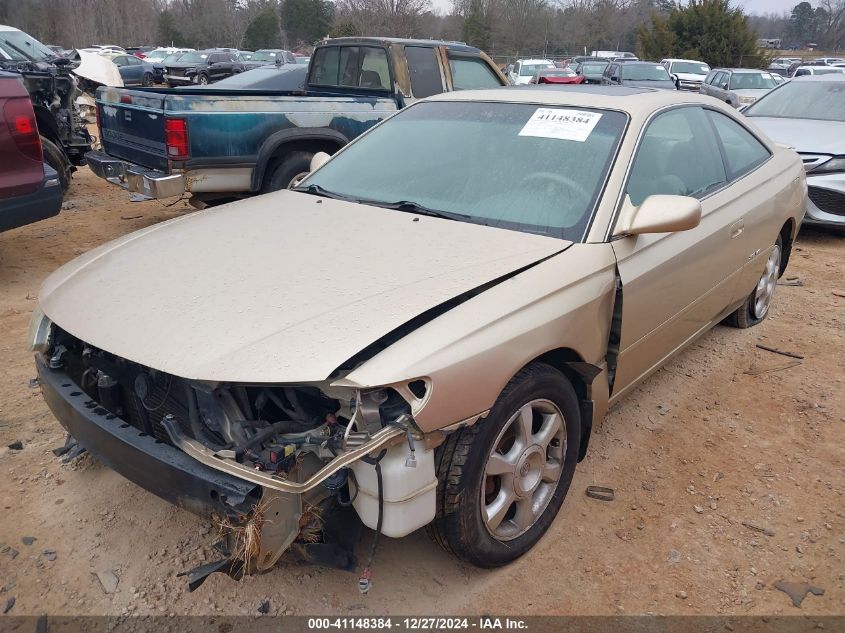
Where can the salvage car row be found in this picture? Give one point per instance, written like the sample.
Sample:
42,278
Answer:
410,336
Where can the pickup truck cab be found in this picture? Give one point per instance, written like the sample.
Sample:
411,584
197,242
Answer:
218,145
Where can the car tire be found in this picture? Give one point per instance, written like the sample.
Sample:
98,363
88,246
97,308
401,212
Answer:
287,172
147,80
202,80
757,305
471,487
57,159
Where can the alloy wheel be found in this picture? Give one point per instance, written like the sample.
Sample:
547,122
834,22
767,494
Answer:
523,469
766,286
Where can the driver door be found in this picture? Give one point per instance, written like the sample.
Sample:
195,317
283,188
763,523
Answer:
675,284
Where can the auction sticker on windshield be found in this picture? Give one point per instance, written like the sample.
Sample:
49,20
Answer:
564,124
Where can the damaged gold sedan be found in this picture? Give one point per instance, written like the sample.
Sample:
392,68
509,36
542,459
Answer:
424,331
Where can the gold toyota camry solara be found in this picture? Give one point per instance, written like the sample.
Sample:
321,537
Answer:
425,330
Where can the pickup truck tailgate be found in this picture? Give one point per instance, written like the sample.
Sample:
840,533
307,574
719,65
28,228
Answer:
132,126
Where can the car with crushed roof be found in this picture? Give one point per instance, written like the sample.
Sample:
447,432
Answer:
415,333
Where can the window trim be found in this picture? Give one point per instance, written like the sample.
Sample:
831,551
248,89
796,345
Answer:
620,198
388,90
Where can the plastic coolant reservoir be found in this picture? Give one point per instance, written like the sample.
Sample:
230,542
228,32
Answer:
409,492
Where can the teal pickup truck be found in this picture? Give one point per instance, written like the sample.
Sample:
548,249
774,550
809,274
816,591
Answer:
221,144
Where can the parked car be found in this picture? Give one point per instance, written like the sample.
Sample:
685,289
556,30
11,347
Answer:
592,71
159,58
804,71
267,56
688,74
140,51
524,69
202,67
217,145
302,60
803,64
465,328
830,61
557,76
245,56
782,63
53,84
135,71
738,86
808,113
648,74
29,188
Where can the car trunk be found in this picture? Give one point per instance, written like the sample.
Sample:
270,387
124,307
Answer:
132,125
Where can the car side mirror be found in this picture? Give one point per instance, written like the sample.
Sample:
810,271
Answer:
660,214
724,85
318,160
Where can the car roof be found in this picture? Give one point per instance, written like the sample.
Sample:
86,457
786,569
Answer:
678,59
455,46
739,70
534,61
639,102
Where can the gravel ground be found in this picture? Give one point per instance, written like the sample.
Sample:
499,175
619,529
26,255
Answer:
727,480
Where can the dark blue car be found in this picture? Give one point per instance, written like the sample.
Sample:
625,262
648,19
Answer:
134,71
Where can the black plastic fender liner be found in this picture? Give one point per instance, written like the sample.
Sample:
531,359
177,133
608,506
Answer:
295,135
155,466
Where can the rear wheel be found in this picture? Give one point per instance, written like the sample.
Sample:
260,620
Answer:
756,306
288,172
58,160
502,481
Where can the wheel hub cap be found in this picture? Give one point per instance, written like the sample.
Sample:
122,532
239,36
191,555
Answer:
523,469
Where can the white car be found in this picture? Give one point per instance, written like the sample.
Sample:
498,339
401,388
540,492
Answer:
523,70
688,74
804,71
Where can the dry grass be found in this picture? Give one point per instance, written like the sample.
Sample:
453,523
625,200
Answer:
244,537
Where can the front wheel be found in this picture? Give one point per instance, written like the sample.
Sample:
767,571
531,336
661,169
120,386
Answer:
756,306
203,80
502,481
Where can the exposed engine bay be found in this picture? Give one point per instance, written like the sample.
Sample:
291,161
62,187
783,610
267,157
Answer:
316,451
54,89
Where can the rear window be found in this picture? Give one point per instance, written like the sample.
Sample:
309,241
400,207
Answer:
351,66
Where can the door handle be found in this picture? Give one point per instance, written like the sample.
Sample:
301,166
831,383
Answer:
737,228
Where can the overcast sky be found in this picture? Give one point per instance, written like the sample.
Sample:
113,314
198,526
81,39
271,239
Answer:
751,6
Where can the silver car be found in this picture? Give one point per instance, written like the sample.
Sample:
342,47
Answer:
738,86
808,113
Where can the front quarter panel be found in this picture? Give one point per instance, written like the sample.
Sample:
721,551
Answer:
471,352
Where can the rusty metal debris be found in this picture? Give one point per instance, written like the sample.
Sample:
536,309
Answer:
775,350
600,492
797,591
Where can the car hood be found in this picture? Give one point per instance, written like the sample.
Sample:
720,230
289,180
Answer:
284,287
809,136
665,85
99,69
751,92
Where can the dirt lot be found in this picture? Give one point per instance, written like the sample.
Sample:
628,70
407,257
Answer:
701,449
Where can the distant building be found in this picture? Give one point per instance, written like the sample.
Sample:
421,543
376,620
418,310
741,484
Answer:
768,43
